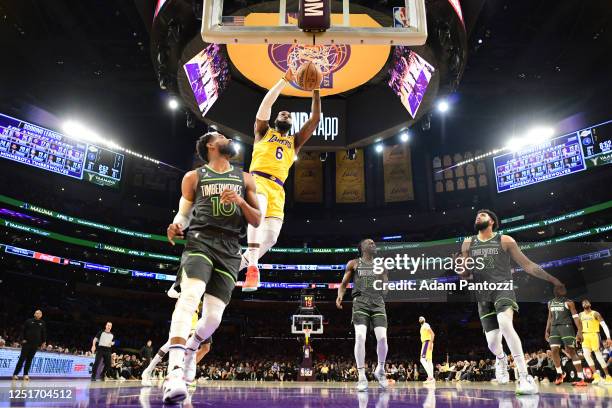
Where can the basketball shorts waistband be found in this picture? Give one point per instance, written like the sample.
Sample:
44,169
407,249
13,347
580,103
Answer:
269,177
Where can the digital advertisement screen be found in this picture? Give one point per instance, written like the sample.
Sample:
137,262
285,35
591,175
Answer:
410,76
47,364
554,158
597,145
36,146
208,76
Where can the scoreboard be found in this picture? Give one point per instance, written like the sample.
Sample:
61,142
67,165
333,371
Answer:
36,146
551,159
597,144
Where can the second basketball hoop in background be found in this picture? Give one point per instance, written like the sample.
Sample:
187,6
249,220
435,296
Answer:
308,76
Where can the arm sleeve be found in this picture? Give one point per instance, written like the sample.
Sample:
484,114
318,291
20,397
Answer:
265,109
604,326
97,336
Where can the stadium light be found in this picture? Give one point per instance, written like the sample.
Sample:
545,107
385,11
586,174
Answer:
379,148
540,134
404,137
81,132
173,103
443,106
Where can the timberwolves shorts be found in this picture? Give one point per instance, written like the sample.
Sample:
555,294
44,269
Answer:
369,311
491,303
562,335
427,349
275,194
214,257
590,341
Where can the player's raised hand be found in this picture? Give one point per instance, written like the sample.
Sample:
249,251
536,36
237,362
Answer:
230,196
173,231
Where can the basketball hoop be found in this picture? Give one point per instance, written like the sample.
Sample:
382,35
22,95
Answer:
307,335
328,58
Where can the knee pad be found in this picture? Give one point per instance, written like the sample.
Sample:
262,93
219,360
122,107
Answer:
361,332
380,333
271,228
186,305
213,314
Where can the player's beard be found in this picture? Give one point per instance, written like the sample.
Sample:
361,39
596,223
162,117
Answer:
228,149
481,226
282,126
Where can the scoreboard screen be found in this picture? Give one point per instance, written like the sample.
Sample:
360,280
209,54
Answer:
597,144
36,146
307,302
554,158
103,166
39,147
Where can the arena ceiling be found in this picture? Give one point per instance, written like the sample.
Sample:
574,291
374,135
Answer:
537,59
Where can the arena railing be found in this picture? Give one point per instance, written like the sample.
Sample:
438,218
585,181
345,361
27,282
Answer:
146,254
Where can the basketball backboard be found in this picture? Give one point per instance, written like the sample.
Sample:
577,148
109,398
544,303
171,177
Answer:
313,323
276,22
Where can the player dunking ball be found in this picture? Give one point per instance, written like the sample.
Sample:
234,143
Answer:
223,200
591,320
273,155
496,307
368,310
427,341
562,315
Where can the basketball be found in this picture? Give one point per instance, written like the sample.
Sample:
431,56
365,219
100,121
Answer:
309,76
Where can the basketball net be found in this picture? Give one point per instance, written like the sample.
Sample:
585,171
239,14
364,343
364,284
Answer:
307,335
326,57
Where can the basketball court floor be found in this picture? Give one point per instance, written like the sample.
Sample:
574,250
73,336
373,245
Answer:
313,394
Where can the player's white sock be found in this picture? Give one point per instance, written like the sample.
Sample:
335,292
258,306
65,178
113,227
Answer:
255,235
559,370
513,341
176,356
427,367
600,358
361,331
381,346
431,369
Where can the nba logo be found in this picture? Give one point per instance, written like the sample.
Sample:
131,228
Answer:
399,17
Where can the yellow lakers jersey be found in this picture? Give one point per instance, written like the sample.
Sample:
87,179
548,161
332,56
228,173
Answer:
425,332
589,323
273,154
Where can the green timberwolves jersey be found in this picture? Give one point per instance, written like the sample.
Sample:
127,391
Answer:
560,314
363,280
496,260
209,212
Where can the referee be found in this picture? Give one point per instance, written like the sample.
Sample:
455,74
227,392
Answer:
104,340
34,334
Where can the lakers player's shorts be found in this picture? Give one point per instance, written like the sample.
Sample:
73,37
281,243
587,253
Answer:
213,257
491,303
274,193
427,349
369,312
562,335
590,341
